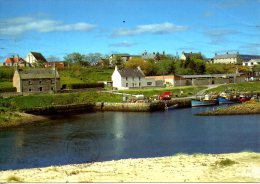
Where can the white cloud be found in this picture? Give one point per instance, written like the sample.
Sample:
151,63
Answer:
150,28
219,35
20,25
123,44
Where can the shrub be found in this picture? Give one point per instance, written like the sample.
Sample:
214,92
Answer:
86,85
7,89
224,163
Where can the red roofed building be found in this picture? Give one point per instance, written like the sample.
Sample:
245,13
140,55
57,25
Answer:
15,61
57,64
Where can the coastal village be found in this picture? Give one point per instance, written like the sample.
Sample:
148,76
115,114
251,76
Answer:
129,91
35,75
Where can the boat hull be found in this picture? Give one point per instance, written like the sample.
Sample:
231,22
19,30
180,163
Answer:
199,103
223,100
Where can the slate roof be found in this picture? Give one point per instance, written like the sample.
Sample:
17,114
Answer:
131,73
210,75
38,73
38,56
243,57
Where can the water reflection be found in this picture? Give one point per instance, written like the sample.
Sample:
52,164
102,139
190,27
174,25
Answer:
117,135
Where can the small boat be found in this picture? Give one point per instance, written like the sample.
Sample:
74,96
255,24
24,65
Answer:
225,98
208,100
198,103
171,107
243,98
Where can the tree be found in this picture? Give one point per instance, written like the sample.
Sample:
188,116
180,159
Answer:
76,58
93,58
53,58
164,67
145,66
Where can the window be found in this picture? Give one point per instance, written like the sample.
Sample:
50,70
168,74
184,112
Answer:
30,82
30,89
126,84
133,84
40,81
139,83
126,78
149,83
133,78
139,78
52,81
40,88
52,88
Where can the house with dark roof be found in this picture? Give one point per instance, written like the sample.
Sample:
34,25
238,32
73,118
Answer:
130,78
35,57
113,59
36,80
186,55
233,58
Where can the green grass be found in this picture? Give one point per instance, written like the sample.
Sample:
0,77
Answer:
84,75
187,91
49,100
6,84
243,87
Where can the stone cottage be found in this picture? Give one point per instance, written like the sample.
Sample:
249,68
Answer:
36,80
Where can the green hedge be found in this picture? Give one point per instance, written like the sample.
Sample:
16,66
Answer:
86,85
7,89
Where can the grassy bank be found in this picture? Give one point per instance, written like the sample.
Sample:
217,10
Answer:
187,91
250,107
243,87
49,100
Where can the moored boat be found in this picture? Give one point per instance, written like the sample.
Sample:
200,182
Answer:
206,101
226,98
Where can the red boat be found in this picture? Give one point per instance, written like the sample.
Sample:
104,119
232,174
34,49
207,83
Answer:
166,95
244,98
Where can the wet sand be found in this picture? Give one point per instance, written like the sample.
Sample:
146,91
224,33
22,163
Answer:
233,167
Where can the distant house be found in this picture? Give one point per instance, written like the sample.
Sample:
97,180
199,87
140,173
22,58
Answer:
130,78
167,80
35,57
15,61
113,59
251,62
36,80
57,64
234,58
186,55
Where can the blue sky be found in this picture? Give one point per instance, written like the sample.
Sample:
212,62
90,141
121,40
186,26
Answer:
60,27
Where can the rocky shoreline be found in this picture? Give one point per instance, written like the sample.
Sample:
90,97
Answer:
232,167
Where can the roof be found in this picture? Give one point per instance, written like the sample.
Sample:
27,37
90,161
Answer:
38,56
14,60
189,54
131,72
122,55
243,57
210,75
38,73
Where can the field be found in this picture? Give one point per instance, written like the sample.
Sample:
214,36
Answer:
243,87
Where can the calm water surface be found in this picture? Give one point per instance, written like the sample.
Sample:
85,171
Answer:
117,135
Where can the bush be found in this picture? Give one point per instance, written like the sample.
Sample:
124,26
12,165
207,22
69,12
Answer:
7,89
86,85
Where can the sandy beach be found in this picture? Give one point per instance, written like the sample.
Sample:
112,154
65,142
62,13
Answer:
233,167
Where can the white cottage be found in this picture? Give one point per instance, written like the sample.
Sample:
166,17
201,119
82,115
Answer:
34,57
130,78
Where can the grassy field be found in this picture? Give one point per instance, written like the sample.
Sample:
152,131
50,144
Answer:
187,91
84,75
6,84
243,87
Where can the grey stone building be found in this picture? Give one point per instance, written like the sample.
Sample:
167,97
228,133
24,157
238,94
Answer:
36,80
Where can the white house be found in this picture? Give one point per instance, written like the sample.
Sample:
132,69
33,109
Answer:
251,62
34,57
130,78
234,58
